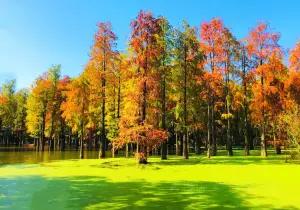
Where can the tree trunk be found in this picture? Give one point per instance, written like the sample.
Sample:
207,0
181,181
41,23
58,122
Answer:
197,145
177,144
103,131
42,135
185,135
228,136
37,144
246,148
227,104
90,140
245,105
263,127
63,138
113,152
263,143
164,147
246,137
263,130
213,130
229,144
81,154
126,151
278,150
185,146
276,145
119,97
209,152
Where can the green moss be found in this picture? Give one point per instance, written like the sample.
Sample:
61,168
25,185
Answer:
198,183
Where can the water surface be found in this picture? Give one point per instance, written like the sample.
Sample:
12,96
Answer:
11,156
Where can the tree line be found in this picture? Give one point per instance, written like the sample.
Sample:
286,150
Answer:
183,89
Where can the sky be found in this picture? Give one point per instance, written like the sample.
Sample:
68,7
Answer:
35,34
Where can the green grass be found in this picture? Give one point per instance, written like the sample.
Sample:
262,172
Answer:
198,183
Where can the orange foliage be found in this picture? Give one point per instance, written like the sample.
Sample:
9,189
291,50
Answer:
262,43
295,58
273,99
3,100
75,108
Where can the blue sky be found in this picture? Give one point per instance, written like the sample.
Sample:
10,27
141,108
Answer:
34,34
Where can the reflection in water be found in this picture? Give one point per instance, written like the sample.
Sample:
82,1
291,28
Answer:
9,156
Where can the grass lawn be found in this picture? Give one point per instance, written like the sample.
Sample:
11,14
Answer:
198,183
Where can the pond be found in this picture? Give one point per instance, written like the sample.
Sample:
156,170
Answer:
10,156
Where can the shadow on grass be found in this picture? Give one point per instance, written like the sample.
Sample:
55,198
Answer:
97,193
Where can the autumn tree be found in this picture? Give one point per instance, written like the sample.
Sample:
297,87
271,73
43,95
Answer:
261,44
103,62
246,75
289,119
61,129
75,108
115,97
37,109
212,42
43,107
274,99
139,123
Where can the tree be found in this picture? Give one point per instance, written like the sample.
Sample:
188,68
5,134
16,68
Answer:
261,44
212,89
43,108
8,107
245,74
37,109
20,119
61,98
289,119
138,121
188,58
3,101
212,42
164,42
75,108
274,99
231,54
53,106
102,58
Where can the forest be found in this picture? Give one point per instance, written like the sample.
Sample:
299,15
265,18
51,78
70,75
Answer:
175,90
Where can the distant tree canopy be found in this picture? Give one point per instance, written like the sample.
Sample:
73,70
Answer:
186,89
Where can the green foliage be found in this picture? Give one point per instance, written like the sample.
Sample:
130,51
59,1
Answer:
9,106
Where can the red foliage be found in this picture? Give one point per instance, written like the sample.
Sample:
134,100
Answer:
144,135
